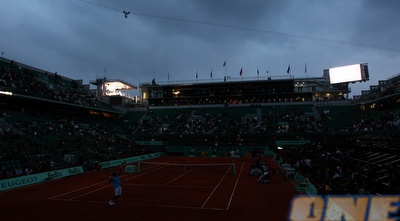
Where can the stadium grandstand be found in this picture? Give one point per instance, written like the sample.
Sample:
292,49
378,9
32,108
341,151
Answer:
340,145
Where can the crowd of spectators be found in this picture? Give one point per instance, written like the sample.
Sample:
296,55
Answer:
218,123
296,120
226,120
40,131
50,142
387,121
47,85
333,171
177,122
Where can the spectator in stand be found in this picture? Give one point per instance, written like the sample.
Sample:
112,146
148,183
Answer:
28,170
265,178
18,172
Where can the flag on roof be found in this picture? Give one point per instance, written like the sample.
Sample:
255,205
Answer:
305,68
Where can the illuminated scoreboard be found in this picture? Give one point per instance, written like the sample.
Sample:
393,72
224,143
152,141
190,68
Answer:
347,74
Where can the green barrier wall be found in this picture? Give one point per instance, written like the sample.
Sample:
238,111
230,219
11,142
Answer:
291,142
113,163
197,150
130,169
21,181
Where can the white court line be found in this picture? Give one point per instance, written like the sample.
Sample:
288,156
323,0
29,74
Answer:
234,189
53,197
147,205
216,187
152,205
178,177
171,186
63,194
98,189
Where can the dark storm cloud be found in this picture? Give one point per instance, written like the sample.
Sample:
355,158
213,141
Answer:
377,24
224,26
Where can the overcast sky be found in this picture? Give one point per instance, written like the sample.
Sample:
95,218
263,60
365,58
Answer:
87,39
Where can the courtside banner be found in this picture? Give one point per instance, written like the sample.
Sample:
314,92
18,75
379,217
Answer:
21,181
344,208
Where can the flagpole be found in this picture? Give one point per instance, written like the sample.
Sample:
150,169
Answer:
258,73
305,70
224,65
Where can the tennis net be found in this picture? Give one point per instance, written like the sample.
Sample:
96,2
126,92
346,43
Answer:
206,168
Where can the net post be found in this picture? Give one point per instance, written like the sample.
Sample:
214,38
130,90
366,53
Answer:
138,167
234,169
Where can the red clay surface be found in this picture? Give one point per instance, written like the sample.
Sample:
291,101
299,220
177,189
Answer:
156,193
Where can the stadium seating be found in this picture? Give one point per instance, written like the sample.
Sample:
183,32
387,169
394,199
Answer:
356,138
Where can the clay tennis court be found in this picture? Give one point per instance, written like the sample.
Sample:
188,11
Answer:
166,188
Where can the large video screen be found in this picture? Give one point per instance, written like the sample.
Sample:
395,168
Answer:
349,73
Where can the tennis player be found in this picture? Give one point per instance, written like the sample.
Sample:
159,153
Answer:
117,187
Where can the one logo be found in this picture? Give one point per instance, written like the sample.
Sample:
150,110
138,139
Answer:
344,208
